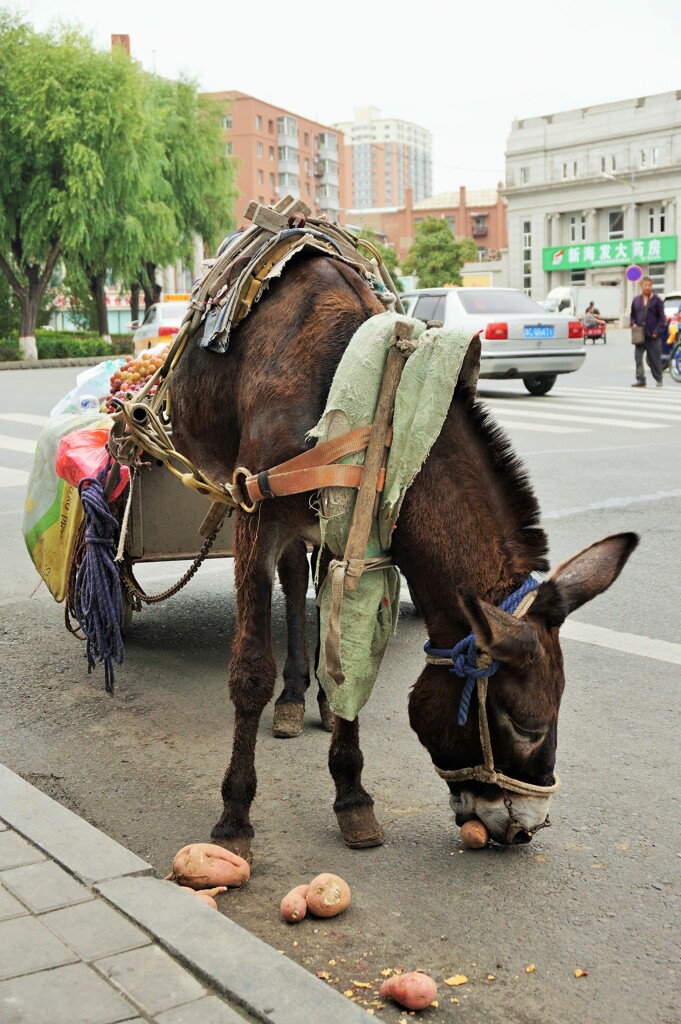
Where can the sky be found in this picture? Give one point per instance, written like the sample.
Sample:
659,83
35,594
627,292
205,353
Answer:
462,70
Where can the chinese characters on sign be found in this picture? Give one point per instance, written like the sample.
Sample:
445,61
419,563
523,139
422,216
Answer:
660,249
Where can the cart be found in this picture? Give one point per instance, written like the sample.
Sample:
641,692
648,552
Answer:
594,330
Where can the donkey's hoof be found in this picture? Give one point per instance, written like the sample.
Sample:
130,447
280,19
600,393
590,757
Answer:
240,845
288,720
359,828
326,715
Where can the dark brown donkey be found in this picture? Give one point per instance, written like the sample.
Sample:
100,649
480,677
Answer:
467,536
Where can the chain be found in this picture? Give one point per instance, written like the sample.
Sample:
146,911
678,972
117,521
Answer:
137,596
508,804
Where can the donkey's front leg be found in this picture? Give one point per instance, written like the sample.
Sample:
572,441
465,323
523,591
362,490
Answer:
354,807
289,709
252,674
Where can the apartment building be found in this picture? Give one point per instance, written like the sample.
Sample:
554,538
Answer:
592,191
278,153
385,157
479,214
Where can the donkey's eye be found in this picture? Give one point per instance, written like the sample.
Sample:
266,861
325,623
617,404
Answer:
533,735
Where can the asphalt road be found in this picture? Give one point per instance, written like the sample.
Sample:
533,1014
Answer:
599,891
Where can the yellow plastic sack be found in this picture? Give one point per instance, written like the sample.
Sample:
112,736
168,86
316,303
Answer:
53,512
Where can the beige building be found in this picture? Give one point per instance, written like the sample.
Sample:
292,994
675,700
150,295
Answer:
280,153
385,157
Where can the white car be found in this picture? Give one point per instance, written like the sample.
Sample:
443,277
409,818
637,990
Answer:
672,301
161,323
519,337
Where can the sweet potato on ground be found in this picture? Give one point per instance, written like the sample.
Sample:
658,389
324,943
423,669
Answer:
327,895
202,865
413,991
293,906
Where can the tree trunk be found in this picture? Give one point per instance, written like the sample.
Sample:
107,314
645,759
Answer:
29,297
30,304
99,295
135,288
155,290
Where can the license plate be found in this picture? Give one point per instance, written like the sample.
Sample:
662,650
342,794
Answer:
539,332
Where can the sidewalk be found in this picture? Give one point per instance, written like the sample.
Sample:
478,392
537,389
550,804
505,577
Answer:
90,935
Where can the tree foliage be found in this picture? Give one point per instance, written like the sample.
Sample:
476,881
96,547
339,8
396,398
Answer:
387,254
102,166
436,257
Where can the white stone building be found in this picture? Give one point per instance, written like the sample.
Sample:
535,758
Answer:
592,191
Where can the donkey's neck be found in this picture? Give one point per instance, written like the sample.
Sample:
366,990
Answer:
470,520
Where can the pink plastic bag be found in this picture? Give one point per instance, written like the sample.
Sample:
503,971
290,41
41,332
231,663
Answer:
84,453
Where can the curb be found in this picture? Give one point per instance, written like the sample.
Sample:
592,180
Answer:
46,364
252,975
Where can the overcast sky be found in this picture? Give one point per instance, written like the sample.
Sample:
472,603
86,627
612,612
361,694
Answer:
462,70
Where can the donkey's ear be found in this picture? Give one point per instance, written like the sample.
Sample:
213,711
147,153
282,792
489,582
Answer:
589,573
502,636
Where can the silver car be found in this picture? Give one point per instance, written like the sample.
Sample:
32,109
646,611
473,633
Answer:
519,338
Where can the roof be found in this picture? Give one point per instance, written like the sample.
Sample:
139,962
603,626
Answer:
450,200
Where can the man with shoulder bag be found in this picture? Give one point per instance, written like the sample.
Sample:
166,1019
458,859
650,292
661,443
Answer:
648,324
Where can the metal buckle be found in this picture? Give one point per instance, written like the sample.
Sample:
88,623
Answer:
239,477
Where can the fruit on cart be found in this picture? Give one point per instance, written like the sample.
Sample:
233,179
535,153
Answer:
133,374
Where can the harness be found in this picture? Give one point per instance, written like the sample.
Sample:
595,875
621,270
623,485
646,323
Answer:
477,667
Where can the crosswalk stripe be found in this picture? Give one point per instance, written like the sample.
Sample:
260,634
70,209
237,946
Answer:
573,418
24,417
639,399
12,477
598,406
650,393
17,444
540,428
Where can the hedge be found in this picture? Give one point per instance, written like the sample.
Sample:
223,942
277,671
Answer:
68,345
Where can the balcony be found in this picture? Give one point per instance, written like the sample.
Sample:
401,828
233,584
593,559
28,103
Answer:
288,166
479,230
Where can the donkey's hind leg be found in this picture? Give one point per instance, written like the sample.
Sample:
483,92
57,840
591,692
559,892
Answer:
252,673
289,708
321,560
354,807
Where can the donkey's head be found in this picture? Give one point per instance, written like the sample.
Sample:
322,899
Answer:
516,729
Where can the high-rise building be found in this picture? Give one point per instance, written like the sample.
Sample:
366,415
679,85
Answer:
279,153
385,157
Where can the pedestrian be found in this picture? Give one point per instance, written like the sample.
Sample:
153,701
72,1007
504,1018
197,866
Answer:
648,324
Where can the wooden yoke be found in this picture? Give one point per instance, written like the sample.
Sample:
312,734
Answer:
400,348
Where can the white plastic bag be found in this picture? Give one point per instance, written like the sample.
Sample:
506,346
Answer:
95,380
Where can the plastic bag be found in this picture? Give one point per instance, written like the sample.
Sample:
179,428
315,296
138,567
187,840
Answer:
95,380
83,453
52,512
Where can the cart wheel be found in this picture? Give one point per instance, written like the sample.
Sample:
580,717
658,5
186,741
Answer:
128,612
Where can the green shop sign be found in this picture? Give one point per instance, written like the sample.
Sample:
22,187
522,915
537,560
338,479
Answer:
660,249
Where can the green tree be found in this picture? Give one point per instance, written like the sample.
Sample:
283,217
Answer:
387,254
436,257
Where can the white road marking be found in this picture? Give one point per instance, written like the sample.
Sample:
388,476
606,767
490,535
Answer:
540,428
24,417
17,444
611,503
13,477
577,420
586,406
628,643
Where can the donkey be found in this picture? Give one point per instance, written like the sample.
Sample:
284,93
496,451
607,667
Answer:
467,536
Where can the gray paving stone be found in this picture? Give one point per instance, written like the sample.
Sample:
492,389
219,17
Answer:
88,853
9,906
44,886
248,971
210,1010
151,978
27,946
95,930
14,851
67,995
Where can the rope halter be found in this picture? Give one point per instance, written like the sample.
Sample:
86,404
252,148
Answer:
476,667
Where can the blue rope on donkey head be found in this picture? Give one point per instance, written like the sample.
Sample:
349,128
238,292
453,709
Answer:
464,656
98,601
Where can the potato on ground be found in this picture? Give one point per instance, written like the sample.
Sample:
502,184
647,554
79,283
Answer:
327,895
413,991
293,906
202,865
474,834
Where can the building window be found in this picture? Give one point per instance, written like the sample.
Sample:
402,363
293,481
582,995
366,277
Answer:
565,171
573,229
582,228
272,179
574,168
270,127
651,220
524,175
602,164
261,177
655,156
229,149
258,149
261,200
258,123
271,153
578,276
227,121
615,225
656,273
642,158
613,163
306,139
527,256
662,220
451,223
287,126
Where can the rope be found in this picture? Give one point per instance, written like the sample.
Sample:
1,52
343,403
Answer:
467,661
97,597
